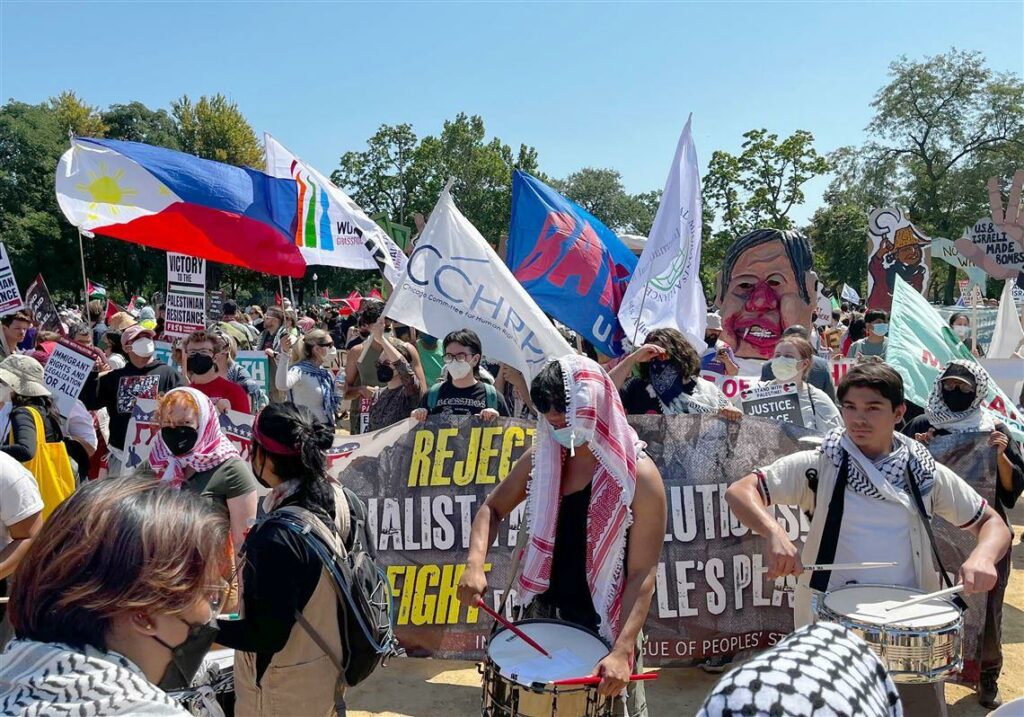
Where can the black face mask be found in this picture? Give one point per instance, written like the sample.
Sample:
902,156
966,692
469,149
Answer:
364,332
258,473
385,373
187,657
199,364
957,400
710,340
179,439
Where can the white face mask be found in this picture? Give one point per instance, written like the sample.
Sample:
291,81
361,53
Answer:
330,355
5,394
784,368
459,369
962,331
144,347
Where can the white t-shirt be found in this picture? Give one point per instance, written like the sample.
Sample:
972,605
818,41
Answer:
19,496
874,531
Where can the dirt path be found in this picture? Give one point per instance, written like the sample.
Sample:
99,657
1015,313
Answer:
449,688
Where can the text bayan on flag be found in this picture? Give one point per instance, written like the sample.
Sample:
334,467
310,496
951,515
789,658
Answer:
573,266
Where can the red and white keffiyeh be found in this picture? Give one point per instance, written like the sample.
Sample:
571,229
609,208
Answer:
594,411
211,449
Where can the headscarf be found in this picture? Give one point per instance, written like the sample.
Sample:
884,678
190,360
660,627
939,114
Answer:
305,324
973,419
211,449
594,411
820,669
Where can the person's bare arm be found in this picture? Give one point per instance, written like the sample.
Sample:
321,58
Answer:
21,534
978,572
241,511
352,387
417,368
748,506
514,377
502,501
646,537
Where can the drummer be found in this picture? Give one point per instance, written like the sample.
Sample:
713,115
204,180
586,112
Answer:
596,518
880,521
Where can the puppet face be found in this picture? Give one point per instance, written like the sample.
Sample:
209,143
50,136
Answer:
909,255
761,300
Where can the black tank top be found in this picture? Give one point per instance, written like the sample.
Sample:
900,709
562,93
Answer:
568,591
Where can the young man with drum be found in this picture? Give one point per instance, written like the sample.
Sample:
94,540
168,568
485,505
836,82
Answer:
865,487
595,516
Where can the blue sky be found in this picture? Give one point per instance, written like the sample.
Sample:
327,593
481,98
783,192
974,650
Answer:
604,85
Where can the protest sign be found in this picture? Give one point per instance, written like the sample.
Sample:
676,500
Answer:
947,251
921,343
163,352
454,278
40,305
731,386
10,296
185,308
773,401
257,364
840,366
66,371
991,249
216,308
896,249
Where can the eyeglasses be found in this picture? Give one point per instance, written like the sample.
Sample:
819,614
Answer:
215,595
461,356
201,352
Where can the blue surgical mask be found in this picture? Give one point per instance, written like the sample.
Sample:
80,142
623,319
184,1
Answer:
880,329
567,438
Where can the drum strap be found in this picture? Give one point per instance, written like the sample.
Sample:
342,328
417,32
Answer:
915,490
833,523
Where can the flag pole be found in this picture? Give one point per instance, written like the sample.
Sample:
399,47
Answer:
280,288
85,281
639,315
291,291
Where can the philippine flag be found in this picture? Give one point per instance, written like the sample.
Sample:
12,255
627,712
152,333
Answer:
176,202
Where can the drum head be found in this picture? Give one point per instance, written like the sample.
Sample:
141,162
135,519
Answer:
574,651
868,603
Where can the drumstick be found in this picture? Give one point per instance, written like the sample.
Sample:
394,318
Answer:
848,566
596,679
515,630
925,598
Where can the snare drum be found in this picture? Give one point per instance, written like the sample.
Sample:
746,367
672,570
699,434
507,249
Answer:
517,678
919,643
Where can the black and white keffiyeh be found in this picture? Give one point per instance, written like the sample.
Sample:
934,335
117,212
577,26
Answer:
822,670
973,419
906,455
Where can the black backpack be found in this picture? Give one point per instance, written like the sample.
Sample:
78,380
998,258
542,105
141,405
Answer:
364,594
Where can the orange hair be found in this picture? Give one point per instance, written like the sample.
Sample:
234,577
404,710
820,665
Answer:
175,399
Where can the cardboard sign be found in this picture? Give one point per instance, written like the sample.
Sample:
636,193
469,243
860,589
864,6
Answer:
258,365
186,295
10,296
774,401
163,352
731,386
40,305
66,372
991,249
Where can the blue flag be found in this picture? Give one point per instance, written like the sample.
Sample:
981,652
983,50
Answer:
573,266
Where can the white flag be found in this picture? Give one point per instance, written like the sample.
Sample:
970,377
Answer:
454,280
665,289
1009,334
331,229
848,294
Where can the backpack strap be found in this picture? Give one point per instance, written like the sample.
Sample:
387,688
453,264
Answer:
915,491
492,396
432,395
833,523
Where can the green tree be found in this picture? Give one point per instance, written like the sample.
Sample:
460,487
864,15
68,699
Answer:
942,126
75,116
135,122
601,192
214,128
383,177
837,232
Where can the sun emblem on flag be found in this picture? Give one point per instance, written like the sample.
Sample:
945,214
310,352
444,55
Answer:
105,188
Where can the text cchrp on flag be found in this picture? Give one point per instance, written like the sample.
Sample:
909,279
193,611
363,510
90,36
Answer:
573,266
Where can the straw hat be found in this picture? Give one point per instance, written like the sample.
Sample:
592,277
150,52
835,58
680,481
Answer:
24,375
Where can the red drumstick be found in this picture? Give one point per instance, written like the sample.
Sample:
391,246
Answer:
596,679
515,630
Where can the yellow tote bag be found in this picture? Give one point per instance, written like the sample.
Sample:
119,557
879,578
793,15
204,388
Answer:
51,467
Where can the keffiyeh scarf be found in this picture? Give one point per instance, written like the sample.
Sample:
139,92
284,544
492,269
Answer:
973,419
594,411
667,384
885,478
325,380
211,449
820,669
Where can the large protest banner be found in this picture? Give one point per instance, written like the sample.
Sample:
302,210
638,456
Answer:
10,296
186,295
66,371
257,364
39,303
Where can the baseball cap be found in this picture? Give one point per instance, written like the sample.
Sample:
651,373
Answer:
957,372
133,332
